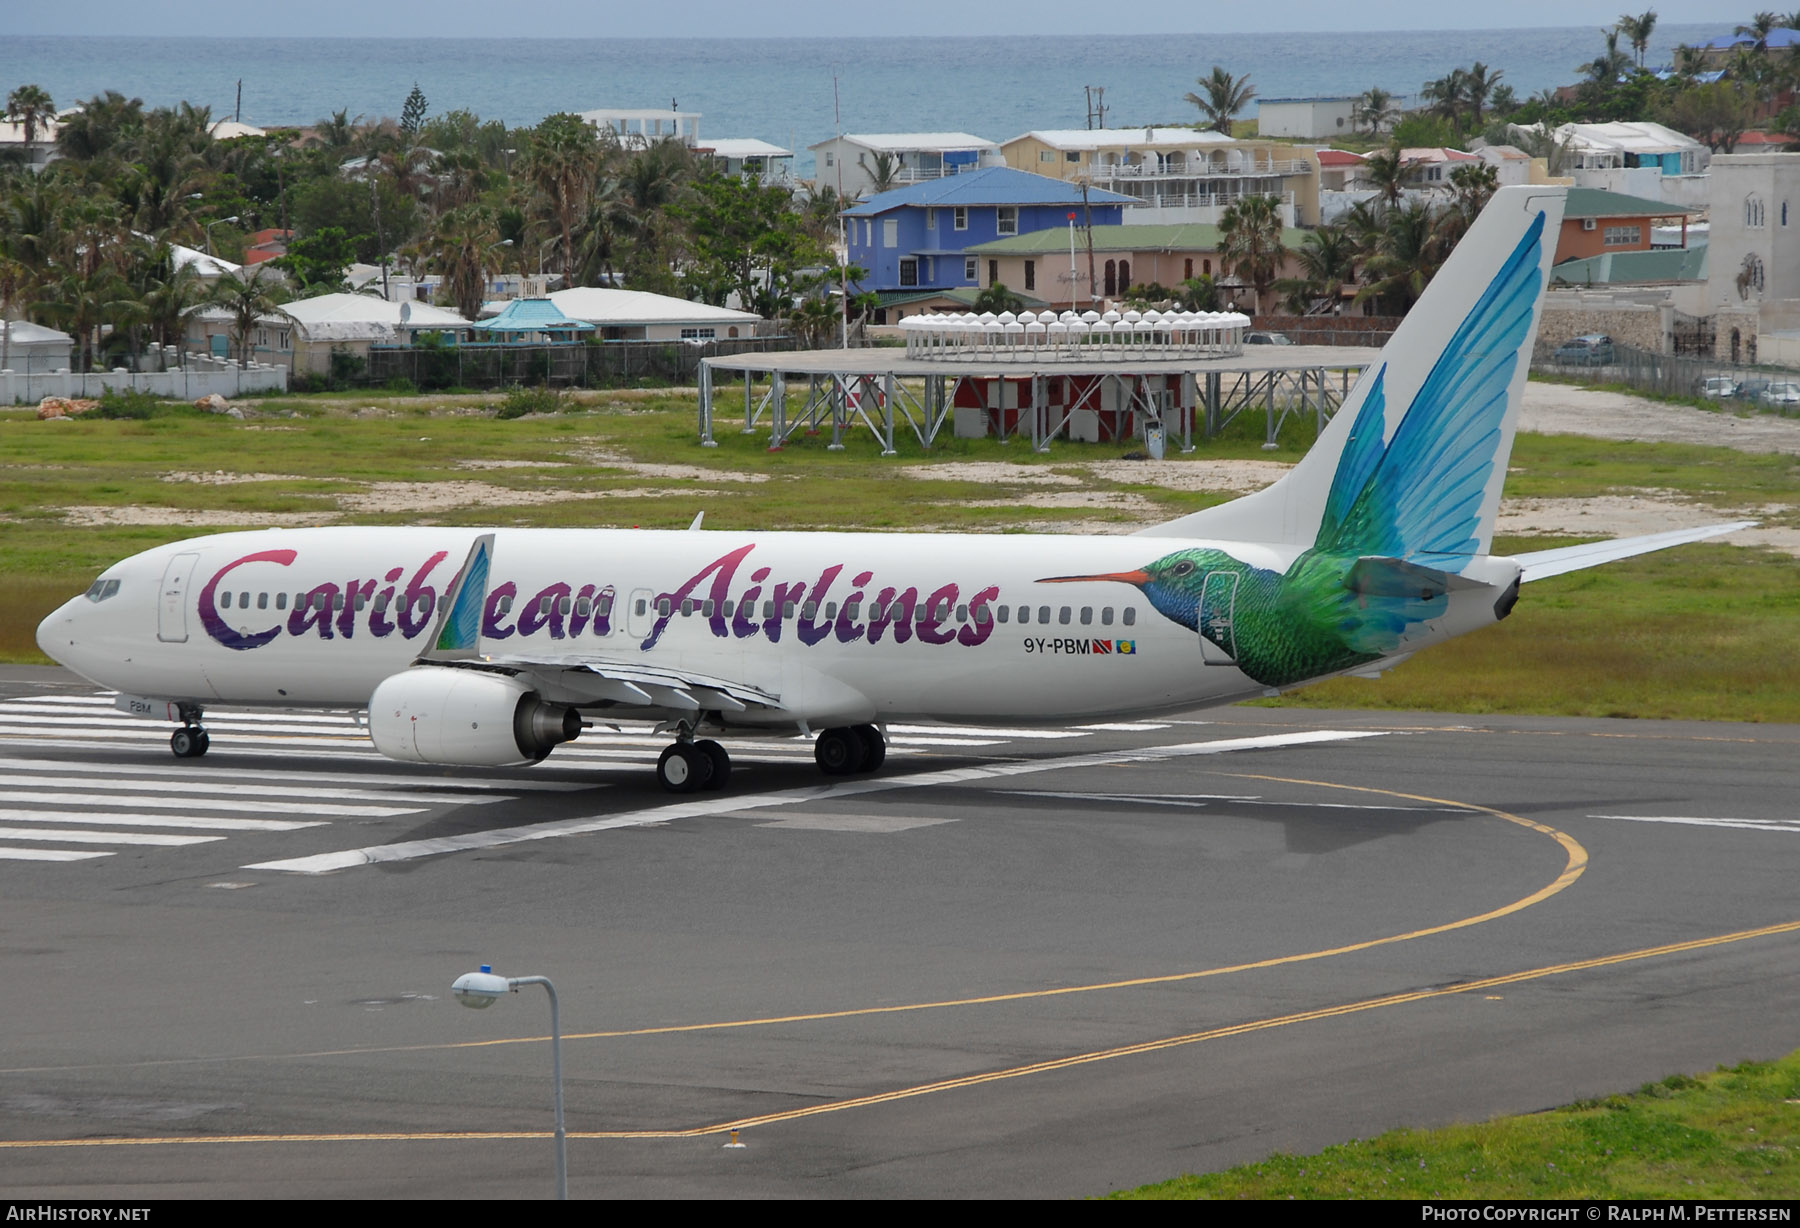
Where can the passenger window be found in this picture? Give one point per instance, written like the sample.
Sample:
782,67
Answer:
687,608
337,601
640,605
706,608
224,601
1130,616
262,601
567,603
362,600
1043,613
982,616
877,612
768,609
787,609
281,601
727,608
663,607
604,605
962,613
1087,615
1106,617
381,603
1003,613
810,610
1062,616
830,610
583,607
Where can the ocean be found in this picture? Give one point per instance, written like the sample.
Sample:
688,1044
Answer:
781,89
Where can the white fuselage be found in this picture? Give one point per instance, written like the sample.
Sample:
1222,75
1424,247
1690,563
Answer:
967,629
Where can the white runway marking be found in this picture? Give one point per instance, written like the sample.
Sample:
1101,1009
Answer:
72,836
7,854
708,806
862,824
1791,826
59,797
163,768
236,788
1204,800
127,819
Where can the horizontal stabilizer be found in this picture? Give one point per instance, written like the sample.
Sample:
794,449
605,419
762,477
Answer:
1542,564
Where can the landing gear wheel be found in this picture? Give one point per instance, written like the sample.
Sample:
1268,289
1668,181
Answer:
684,768
875,746
840,751
189,742
721,764
205,741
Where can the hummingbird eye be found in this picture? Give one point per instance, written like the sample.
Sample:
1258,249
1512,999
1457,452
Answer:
1183,568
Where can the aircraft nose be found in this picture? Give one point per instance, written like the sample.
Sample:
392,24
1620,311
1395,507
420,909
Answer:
56,634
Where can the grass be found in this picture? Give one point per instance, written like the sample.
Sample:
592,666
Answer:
1705,632
1734,1134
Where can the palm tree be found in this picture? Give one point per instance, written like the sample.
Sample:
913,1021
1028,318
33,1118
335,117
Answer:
560,163
1759,29
1637,31
1376,108
1327,259
1386,173
1408,253
29,106
169,292
460,247
885,174
248,301
1226,95
1479,84
1250,242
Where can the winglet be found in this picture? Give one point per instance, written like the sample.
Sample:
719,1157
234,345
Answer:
457,636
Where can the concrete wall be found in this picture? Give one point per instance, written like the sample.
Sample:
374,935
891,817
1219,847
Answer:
1648,326
201,377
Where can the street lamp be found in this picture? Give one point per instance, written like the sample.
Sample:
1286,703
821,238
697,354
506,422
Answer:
478,991
209,227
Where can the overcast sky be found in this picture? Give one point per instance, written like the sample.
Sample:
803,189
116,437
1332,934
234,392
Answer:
798,18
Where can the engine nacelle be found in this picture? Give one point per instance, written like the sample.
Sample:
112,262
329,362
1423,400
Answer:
464,716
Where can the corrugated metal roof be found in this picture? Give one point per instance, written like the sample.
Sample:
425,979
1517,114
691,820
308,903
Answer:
994,185
615,308
1598,202
1181,237
1618,268
905,142
532,315
1134,138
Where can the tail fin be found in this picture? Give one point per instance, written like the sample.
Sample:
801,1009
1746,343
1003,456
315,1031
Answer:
1412,464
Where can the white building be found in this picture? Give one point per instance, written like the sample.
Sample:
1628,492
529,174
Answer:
1637,159
30,348
1753,261
305,333
735,156
1311,119
914,156
638,315
637,129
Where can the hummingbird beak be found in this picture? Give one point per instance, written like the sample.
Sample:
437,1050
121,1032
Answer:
1139,578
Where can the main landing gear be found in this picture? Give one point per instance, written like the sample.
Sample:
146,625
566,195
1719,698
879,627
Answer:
689,766
850,749
191,740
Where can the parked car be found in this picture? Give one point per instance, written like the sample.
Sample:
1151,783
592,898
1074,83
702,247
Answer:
1752,389
1260,338
1784,394
1715,387
1593,350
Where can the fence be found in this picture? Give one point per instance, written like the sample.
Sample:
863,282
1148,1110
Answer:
200,376
600,364
1683,375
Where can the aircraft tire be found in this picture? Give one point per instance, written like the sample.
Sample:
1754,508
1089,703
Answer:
721,764
185,744
874,745
203,742
840,751
683,768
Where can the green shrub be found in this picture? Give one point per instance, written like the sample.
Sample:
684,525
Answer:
126,404
520,400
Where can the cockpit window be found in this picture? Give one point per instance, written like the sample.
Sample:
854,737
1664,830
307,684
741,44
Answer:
102,589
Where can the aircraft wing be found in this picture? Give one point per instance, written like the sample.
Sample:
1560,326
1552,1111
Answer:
1542,564
630,684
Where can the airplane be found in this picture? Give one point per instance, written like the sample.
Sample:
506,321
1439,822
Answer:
469,646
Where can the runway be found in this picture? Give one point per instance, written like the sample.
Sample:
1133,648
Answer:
1019,962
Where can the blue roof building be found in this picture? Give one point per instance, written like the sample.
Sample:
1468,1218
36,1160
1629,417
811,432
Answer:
531,320
915,238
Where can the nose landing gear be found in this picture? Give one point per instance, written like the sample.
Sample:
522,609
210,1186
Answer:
191,740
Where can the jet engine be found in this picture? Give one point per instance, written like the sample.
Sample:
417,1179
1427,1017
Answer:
464,716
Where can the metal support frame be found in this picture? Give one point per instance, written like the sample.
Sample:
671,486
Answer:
882,400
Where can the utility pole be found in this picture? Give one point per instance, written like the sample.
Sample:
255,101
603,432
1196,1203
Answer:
1096,106
837,119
